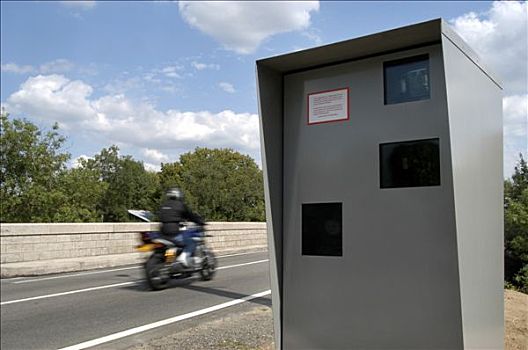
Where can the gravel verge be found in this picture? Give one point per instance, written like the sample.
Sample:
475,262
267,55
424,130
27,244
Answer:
515,320
251,329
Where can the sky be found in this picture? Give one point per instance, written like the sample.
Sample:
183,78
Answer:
159,79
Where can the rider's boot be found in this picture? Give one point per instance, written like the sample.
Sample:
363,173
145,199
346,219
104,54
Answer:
183,258
197,261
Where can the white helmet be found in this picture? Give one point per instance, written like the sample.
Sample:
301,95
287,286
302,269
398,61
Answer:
174,193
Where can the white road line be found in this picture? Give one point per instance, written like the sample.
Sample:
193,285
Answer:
108,286
162,323
245,264
74,275
67,293
239,254
104,271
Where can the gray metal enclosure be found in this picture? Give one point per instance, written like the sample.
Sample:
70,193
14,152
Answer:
382,162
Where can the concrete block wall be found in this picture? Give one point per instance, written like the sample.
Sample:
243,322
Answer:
37,242
237,236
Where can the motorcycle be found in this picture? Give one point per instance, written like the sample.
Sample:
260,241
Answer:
162,265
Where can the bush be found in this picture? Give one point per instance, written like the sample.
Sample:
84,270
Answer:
516,228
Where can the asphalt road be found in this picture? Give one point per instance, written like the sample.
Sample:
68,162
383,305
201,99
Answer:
113,308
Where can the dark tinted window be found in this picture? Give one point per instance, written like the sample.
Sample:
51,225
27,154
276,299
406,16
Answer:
322,229
410,164
407,80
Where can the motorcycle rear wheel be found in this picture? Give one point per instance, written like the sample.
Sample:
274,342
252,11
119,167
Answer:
157,272
208,266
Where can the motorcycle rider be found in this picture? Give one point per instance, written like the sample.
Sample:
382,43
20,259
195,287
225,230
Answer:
172,212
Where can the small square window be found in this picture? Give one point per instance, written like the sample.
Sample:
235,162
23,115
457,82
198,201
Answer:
322,229
410,164
407,80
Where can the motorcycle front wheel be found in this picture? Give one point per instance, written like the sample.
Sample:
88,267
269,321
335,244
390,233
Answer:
208,266
157,272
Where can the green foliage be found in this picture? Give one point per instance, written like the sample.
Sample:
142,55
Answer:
83,191
170,175
219,184
129,185
516,227
31,162
36,186
521,279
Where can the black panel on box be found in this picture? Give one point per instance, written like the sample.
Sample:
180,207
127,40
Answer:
322,229
410,163
407,80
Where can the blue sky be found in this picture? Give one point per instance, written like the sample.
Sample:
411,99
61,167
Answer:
161,78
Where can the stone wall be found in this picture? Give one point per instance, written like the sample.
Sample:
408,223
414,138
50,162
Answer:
37,242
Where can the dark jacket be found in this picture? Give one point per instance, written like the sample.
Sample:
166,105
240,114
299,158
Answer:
172,212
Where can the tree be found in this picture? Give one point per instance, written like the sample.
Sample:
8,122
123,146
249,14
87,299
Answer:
516,226
30,164
220,184
170,175
36,186
82,191
128,184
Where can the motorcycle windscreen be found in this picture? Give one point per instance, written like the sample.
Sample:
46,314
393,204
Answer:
143,215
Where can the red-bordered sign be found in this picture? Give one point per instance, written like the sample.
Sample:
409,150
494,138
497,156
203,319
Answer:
328,106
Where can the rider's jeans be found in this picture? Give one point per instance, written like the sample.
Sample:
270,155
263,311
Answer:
186,238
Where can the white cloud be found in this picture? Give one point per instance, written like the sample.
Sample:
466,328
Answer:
515,110
60,65
118,120
151,77
313,36
53,96
15,68
500,37
155,155
82,4
120,86
76,162
202,66
151,167
88,70
227,87
171,71
242,25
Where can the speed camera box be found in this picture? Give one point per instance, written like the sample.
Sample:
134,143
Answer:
382,159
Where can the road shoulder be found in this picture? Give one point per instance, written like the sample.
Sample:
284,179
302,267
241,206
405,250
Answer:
249,328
